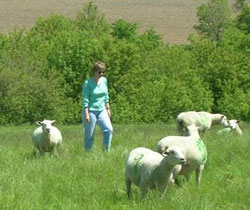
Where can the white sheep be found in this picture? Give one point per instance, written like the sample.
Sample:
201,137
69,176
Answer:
46,137
232,125
150,170
194,150
202,120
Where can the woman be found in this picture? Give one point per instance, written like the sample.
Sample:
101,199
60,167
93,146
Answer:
96,107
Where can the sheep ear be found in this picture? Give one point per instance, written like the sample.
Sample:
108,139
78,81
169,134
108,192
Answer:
52,121
38,122
165,152
224,117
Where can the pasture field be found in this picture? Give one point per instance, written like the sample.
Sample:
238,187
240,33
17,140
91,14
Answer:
95,180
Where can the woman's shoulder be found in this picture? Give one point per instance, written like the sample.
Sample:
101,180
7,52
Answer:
104,79
87,81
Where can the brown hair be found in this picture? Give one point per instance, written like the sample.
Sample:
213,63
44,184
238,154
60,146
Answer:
99,66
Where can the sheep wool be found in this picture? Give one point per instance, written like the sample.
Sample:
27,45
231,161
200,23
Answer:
233,125
202,120
203,149
150,170
46,137
194,150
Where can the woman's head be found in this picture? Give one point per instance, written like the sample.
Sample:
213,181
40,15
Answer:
99,68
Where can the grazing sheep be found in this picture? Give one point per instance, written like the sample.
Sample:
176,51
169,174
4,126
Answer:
194,150
202,120
46,137
232,125
148,169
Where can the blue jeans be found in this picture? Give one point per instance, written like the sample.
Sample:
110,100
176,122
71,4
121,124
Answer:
103,120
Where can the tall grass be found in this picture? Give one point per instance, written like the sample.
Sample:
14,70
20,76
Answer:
95,180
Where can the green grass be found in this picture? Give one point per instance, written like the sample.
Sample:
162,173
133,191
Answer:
95,180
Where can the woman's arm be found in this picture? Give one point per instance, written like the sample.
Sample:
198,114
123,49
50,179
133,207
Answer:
108,109
85,96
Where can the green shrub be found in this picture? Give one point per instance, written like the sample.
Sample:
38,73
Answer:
27,97
42,70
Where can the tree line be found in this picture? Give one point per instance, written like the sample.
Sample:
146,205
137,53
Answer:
42,69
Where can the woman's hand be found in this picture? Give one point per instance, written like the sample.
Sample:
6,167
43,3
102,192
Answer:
87,118
109,112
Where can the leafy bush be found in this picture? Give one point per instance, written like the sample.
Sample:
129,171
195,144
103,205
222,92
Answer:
214,18
25,99
124,30
235,104
42,69
243,19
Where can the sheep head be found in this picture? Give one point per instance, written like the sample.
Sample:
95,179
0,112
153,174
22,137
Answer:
233,124
224,120
175,155
46,125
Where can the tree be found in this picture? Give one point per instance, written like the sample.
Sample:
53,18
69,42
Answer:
240,4
214,19
123,29
243,20
91,19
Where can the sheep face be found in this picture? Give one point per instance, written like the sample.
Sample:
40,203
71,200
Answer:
175,155
233,124
224,121
46,125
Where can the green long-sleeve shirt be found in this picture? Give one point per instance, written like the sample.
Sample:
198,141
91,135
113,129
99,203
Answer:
95,95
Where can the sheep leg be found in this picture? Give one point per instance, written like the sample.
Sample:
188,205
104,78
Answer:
42,153
57,151
198,173
187,177
60,149
34,153
143,189
128,186
176,171
162,189
52,153
171,179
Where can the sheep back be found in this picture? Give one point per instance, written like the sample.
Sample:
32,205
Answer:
194,150
196,118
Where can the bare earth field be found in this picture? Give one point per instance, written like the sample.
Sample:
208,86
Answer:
172,19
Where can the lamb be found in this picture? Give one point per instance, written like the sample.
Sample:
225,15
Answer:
232,125
202,120
194,150
46,137
150,170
